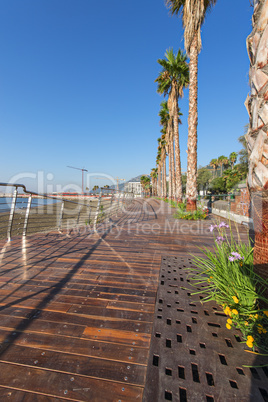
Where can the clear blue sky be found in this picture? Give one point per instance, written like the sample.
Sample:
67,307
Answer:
77,85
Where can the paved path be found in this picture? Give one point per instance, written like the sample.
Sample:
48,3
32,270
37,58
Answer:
77,311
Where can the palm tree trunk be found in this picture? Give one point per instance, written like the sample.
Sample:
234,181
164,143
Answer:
165,176
178,179
169,173
257,135
159,181
173,191
162,178
191,186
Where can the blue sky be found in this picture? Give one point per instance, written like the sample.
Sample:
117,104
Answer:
77,86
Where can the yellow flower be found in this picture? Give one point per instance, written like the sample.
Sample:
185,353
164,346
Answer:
246,323
227,310
234,311
235,299
228,326
249,344
266,313
250,338
256,316
261,329
229,321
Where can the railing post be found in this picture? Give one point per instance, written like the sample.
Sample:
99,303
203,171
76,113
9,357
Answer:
78,214
118,201
61,215
27,213
97,212
89,215
111,206
11,215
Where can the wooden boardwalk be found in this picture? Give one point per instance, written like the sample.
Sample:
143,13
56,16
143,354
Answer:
76,312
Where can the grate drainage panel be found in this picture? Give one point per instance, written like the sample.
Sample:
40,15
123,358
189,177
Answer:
193,356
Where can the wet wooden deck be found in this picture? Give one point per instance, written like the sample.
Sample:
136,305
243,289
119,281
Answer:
76,313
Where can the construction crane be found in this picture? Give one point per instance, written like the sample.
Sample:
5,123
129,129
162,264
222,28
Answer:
117,181
82,170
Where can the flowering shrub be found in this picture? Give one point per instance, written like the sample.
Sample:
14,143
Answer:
191,215
181,213
229,278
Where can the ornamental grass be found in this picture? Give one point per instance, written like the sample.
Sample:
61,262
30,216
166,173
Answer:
227,274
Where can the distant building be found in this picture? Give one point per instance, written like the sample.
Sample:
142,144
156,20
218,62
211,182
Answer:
134,187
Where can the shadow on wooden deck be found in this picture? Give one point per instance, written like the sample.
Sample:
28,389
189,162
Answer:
77,311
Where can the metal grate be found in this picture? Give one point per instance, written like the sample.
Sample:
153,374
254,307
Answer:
193,356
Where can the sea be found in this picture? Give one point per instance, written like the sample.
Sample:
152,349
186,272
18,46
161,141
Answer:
21,203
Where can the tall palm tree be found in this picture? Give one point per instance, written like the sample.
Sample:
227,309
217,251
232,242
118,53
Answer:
153,175
164,118
233,158
145,182
214,163
193,15
257,135
173,78
222,160
158,175
170,139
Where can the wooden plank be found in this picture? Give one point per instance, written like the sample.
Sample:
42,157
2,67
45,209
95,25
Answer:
117,336
76,319
75,387
113,313
71,363
42,326
11,394
82,346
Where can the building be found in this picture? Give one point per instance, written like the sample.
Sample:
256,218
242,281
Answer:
134,187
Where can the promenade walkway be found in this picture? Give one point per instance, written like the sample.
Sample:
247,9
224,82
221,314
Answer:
77,311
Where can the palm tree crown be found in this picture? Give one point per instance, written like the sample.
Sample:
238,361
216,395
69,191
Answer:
174,69
193,15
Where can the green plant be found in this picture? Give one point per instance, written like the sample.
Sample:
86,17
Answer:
199,214
229,278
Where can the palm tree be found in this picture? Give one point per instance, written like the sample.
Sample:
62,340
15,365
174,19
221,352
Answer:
214,163
164,119
233,158
222,160
173,78
153,175
257,135
95,188
193,15
145,182
158,175
163,163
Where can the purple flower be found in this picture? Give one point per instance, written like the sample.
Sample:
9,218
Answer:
212,227
223,225
219,239
237,256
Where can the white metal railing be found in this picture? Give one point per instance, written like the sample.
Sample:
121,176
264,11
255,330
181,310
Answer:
25,215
